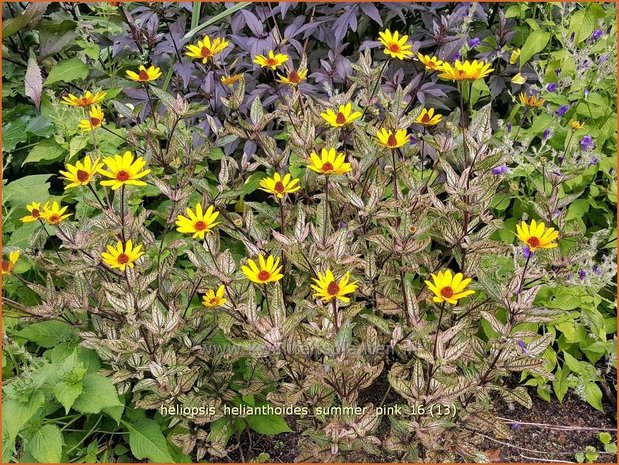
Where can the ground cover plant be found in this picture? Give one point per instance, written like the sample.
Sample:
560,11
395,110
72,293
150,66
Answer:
348,232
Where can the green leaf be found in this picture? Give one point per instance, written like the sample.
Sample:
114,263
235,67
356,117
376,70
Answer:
16,413
31,15
46,444
147,441
45,152
572,363
605,437
535,43
98,393
268,424
216,19
67,71
593,394
582,23
22,191
66,393
48,333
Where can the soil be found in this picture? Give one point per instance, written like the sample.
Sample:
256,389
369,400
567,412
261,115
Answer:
548,432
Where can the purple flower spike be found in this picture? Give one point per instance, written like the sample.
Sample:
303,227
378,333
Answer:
547,134
515,426
594,161
596,270
523,346
501,169
572,36
602,59
457,56
509,127
595,36
562,110
412,140
342,224
582,274
586,143
526,252
475,41
551,87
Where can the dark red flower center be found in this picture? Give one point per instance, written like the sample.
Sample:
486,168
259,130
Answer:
294,77
82,176
54,218
122,176
333,288
35,213
206,52
533,241
123,258
264,275
271,62
84,101
392,141
327,167
6,266
426,118
279,187
94,121
394,47
340,118
447,292
200,225
143,75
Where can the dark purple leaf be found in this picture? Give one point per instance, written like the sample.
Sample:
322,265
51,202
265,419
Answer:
371,10
34,81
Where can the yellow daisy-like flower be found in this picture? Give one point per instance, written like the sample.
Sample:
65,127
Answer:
519,79
271,60
431,63
576,125
344,116
206,48
467,71
279,186
395,46
530,101
392,140
35,213
8,265
327,288
85,100
428,118
448,287
536,235
94,121
328,163
198,223
81,173
269,270
144,75
54,214
229,80
123,170
122,256
294,78
515,55
214,299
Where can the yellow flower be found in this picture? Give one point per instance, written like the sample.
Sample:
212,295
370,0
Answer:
344,116
449,288
279,186
428,118
35,213
81,173
197,223
431,63
395,46
85,100
530,101
214,299
144,75
327,288
8,265
576,125
515,55
271,60
293,78
123,170
94,121
229,80
120,256
519,79
466,71
54,214
328,163
206,48
268,271
536,235
392,140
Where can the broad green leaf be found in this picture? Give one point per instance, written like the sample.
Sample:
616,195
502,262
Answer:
147,441
22,191
535,43
45,152
66,393
46,444
572,363
268,424
99,392
582,24
16,413
593,394
67,71
31,15
48,333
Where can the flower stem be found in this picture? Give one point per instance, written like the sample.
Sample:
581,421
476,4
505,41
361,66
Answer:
382,69
282,228
335,315
524,271
266,298
326,212
122,213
